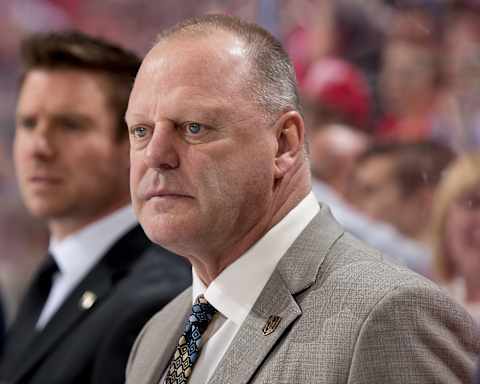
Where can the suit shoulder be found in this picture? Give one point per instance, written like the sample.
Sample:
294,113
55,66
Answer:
157,262
357,278
159,270
386,310
423,331
352,263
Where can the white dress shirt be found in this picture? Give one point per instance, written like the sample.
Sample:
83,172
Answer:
234,292
78,253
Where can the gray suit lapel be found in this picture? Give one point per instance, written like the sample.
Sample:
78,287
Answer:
250,345
173,322
296,271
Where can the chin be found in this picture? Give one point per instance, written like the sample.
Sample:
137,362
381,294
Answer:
45,209
159,232
169,233
40,211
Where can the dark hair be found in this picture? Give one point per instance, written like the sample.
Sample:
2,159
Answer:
416,164
272,78
78,51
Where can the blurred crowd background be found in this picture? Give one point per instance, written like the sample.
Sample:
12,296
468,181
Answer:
391,95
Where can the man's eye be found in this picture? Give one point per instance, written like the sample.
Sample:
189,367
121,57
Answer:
70,124
27,122
193,128
139,132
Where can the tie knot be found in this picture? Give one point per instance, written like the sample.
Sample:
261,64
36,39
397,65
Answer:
46,272
48,268
202,313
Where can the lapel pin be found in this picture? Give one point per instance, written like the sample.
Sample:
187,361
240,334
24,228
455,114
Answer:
87,300
271,325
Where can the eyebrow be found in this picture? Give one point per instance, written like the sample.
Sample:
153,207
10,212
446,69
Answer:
133,116
80,117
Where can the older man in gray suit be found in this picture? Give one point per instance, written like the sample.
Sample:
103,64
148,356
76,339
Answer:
281,293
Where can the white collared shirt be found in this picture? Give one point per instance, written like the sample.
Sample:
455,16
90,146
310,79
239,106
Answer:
234,292
78,253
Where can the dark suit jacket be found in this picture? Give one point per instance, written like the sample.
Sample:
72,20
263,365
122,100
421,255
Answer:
91,345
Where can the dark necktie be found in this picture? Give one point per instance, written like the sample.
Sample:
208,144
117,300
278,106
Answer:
190,343
39,290
23,332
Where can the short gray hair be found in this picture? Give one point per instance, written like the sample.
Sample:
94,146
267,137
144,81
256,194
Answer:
272,82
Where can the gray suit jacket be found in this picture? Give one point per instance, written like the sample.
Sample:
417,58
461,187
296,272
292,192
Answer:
346,317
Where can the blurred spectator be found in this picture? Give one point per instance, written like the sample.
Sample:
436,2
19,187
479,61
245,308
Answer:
458,120
345,29
334,150
456,231
337,99
419,20
410,86
395,182
337,92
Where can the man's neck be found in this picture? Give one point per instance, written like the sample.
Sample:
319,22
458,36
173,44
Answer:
62,227
287,196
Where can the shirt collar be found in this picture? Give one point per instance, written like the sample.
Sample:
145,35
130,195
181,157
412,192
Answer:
234,295
78,253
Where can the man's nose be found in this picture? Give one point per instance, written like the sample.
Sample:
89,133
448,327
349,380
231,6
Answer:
43,142
162,150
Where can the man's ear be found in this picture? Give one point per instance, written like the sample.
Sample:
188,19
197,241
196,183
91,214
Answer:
290,134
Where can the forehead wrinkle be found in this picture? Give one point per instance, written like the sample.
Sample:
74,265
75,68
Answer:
189,103
219,58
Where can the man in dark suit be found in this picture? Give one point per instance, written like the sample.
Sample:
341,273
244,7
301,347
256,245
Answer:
103,278
281,293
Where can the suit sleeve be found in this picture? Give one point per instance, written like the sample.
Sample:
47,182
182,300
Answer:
415,335
134,350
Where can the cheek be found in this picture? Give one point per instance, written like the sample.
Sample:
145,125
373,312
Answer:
138,168
246,184
454,234
134,178
20,156
229,185
99,165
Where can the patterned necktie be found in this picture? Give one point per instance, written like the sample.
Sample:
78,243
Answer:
190,343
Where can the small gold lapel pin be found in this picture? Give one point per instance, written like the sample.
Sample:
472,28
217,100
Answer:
271,324
87,300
